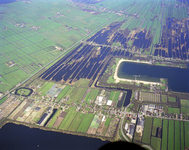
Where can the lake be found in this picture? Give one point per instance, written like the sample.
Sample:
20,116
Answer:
6,1
178,78
20,137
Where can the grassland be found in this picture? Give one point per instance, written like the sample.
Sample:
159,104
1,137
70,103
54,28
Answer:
172,110
53,119
64,91
68,119
111,95
171,135
107,122
184,102
186,132
157,122
77,94
164,135
46,88
3,99
92,95
76,122
184,110
177,135
156,142
85,123
116,96
147,130
164,98
172,99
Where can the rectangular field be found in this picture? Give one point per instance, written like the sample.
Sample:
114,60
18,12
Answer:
171,135
76,122
53,119
184,102
83,127
68,119
147,130
177,135
164,135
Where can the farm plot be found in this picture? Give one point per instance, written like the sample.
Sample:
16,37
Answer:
77,95
147,130
59,119
54,118
150,97
171,135
83,127
172,110
112,127
94,125
68,119
64,91
157,123
184,102
76,122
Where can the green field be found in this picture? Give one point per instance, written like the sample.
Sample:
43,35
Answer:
184,110
68,119
94,123
63,92
164,135
3,99
107,122
83,127
92,95
147,130
157,122
111,95
171,135
156,142
172,110
45,89
53,119
177,135
182,135
76,122
164,98
172,99
184,102
186,132
116,96
77,95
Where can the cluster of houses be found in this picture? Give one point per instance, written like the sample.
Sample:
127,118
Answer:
152,110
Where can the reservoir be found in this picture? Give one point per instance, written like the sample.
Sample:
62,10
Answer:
18,137
178,78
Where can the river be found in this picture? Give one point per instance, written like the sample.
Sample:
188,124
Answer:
18,137
178,78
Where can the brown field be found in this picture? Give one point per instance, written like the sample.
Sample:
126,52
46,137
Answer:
112,127
59,119
91,130
101,128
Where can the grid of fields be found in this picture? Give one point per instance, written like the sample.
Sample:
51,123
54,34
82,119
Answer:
166,134
31,35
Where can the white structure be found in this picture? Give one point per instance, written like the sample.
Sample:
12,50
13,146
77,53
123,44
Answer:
109,102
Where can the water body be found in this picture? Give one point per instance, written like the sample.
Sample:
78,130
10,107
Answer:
7,1
178,78
20,137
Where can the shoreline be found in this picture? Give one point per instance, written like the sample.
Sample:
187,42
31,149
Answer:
117,79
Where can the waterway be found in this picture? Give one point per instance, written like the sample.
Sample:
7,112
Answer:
178,78
17,137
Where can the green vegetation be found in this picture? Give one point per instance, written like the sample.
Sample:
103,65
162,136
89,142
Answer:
82,83
184,102
76,122
85,123
116,96
93,94
171,135
107,122
53,119
46,88
23,92
186,132
184,110
157,122
156,142
177,135
77,94
172,99
182,134
172,110
164,98
164,134
68,119
3,99
111,95
94,123
64,91
147,130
